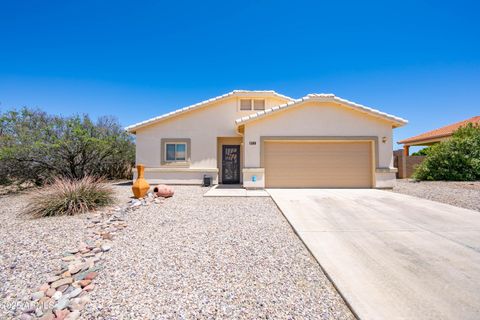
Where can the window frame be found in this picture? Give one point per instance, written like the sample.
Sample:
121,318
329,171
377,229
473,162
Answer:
175,141
175,152
252,104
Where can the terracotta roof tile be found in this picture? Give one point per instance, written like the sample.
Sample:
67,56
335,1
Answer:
440,132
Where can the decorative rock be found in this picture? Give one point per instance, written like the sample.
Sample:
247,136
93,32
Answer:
68,258
91,275
107,236
79,303
57,295
163,190
84,283
61,304
72,251
61,314
62,288
61,282
50,292
53,279
106,247
75,293
48,316
37,295
75,268
89,288
74,315
44,287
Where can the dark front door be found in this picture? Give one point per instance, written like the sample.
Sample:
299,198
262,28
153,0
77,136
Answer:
230,164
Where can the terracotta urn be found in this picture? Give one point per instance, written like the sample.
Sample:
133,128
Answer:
140,186
163,191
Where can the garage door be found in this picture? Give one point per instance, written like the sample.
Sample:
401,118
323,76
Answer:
313,164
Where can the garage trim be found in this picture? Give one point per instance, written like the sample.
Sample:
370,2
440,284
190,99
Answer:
372,139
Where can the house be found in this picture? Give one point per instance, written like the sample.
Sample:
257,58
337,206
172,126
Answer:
407,163
265,139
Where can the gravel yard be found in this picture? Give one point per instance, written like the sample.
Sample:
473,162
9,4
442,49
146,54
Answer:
196,257
190,257
30,248
460,194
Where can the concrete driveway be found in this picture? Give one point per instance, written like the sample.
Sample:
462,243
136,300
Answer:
391,256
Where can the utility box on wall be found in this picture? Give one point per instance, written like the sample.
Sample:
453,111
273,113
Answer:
254,178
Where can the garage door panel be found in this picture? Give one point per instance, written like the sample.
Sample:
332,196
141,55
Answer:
318,164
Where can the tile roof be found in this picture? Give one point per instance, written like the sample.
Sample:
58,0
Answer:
324,97
440,132
138,125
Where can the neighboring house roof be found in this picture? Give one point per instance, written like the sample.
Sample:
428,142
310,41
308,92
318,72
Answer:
440,132
322,97
175,113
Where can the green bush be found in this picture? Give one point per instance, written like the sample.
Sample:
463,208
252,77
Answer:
36,147
456,159
69,197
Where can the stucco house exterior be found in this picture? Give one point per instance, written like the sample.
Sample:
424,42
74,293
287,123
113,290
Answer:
265,139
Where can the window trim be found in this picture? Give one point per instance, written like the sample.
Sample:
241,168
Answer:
252,104
163,152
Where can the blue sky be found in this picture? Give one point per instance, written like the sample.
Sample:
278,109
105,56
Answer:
416,59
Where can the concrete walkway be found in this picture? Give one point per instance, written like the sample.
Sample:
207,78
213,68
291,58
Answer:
391,256
234,191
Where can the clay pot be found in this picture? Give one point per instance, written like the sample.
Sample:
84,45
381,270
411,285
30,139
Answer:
140,186
163,190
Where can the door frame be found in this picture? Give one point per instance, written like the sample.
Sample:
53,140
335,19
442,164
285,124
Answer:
237,146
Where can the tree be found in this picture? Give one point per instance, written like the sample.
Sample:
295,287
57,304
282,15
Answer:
36,147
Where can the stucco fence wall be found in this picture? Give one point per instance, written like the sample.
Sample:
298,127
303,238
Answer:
411,162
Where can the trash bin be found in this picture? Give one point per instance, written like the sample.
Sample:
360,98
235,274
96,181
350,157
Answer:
207,181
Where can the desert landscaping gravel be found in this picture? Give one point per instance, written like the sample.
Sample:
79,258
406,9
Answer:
460,194
30,249
187,257
194,257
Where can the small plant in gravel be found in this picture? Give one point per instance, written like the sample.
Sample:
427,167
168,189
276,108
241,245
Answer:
69,197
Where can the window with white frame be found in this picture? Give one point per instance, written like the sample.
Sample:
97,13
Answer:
252,104
175,151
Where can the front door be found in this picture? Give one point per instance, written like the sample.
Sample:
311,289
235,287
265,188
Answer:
231,164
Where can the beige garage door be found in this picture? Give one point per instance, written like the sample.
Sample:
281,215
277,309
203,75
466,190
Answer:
313,164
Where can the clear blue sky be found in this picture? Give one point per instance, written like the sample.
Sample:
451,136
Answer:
416,59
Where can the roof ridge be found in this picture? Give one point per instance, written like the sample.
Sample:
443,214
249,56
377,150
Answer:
443,131
197,105
328,97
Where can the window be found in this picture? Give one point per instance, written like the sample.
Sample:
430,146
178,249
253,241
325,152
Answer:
175,151
258,104
246,104
252,104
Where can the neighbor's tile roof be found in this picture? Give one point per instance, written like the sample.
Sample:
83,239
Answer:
138,125
324,97
440,132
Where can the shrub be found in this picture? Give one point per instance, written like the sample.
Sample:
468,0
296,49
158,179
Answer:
36,147
457,158
70,197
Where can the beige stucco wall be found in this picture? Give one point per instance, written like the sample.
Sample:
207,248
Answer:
202,126
319,119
